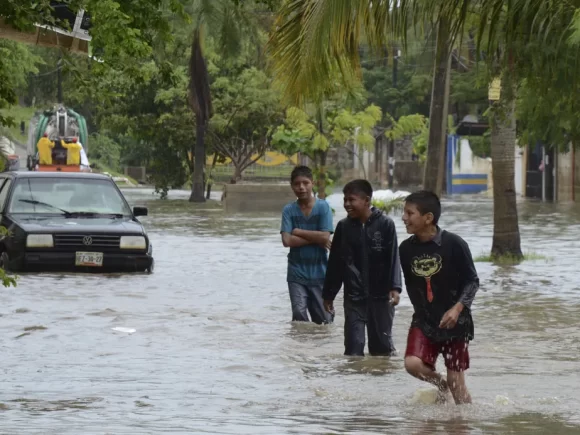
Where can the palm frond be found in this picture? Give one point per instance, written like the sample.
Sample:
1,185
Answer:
314,46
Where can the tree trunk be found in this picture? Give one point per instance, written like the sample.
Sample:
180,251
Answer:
199,98
197,187
237,174
435,163
320,162
209,183
506,232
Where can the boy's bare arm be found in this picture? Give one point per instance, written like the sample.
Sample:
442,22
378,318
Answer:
291,241
314,237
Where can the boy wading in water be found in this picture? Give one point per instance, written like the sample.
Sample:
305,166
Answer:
306,228
364,257
441,281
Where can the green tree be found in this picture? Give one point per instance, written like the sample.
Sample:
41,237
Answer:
326,126
229,23
314,37
122,33
247,111
16,62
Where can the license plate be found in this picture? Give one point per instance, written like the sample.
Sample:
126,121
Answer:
93,259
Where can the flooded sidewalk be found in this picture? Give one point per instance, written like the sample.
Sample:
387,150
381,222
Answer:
205,344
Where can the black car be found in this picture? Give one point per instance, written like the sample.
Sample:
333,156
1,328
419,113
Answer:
69,221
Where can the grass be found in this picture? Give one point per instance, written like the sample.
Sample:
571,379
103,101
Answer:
509,260
19,114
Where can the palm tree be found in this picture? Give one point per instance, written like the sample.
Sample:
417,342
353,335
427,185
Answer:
199,97
529,39
315,36
229,23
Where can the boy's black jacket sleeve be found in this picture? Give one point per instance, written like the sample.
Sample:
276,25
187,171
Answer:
393,259
468,275
333,279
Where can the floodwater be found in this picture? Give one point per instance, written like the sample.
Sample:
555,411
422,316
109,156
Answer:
213,350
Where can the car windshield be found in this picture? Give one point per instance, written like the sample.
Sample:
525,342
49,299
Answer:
67,196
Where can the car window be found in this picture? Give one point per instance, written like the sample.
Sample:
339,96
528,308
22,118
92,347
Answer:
68,194
4,191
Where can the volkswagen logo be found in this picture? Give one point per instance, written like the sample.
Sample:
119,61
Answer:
87,240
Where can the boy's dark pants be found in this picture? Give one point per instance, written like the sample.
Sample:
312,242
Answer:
377,315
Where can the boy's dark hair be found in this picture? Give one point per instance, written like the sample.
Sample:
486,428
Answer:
426,202
358,187
301,171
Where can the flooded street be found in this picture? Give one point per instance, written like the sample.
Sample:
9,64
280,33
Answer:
214,351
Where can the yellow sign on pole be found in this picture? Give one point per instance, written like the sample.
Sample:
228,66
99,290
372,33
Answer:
494,91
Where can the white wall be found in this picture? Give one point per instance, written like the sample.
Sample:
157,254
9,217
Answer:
469,163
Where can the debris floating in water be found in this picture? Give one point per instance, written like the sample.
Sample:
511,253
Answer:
502,400
122,329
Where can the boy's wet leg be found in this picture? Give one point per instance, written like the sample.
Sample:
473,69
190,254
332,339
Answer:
418,369
299,302
458,387
316,306
355,319
420,358
456,355
380,326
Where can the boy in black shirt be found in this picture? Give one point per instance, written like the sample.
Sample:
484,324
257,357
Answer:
364,257
441,281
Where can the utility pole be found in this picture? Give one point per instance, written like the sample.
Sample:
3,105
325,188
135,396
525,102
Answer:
391,143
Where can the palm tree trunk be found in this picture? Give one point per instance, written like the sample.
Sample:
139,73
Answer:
506,232
435,163
320,164
197,187
199,98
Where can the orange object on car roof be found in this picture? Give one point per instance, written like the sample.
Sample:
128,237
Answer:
59,168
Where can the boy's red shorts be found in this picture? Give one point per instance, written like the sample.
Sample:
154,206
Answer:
455,352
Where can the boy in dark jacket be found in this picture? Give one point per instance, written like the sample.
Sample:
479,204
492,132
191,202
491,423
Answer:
364,257
441,281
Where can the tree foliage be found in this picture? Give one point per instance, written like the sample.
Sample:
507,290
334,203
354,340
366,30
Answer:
16,62
247,111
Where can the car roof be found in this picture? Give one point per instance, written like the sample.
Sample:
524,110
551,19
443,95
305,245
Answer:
56,174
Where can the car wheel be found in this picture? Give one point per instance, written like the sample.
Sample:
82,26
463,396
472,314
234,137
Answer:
150,268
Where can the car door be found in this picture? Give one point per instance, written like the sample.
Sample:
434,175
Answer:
5,183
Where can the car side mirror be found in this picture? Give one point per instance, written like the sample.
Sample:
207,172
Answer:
139,211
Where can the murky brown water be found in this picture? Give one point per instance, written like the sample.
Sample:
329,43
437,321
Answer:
214,351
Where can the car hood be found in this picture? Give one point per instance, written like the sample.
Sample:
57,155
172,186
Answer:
61,224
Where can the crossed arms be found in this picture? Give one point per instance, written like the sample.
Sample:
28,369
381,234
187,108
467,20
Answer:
299,238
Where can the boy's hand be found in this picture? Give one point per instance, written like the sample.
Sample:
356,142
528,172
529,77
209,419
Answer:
449,319
394,297
328,244
329,307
